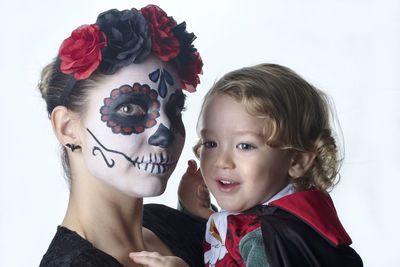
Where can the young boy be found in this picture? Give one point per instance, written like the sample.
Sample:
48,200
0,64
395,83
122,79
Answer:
268,156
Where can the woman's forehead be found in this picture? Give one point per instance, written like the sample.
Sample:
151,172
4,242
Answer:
139,73
156,74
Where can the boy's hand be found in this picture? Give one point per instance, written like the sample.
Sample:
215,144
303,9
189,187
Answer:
155,259
193,193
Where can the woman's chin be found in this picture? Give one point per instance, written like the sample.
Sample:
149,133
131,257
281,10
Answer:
153,188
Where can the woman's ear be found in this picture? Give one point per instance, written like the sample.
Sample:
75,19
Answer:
63,123
300,163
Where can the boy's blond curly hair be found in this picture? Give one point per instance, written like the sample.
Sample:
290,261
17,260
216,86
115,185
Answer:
296,111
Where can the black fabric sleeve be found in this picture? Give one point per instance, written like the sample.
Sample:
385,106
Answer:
182,233
182,209
69,249
94,258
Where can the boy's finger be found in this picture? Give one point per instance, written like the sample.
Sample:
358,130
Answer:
192,166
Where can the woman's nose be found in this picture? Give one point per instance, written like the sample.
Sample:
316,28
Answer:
163,137
224,160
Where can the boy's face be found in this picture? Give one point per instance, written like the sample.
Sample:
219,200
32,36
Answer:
133,132
239,169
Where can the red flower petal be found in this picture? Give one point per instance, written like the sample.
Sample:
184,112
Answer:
164,45
81,52
190,73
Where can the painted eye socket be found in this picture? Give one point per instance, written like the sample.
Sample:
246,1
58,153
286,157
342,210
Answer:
130,110
244,146
209,144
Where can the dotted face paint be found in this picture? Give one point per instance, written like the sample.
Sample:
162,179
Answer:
131,109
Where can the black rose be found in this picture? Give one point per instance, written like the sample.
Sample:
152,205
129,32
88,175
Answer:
187,49
128,40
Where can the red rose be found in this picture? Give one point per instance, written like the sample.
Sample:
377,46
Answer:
190,73
164,45
81,52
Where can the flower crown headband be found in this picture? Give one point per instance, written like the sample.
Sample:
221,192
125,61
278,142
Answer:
120,38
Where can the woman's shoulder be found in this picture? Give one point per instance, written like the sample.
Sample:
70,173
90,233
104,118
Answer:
69,249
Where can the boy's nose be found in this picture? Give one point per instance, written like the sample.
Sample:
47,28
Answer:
224,160
163,137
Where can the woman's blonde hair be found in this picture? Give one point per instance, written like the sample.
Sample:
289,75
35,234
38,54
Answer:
296,112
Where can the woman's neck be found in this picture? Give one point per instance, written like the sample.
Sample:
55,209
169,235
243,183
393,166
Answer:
109,219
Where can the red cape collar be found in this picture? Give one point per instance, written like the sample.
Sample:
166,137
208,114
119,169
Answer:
316,209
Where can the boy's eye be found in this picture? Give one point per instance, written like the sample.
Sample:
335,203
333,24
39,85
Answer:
244,146
209,144
130,110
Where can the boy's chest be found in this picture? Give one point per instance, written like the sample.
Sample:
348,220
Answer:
223,246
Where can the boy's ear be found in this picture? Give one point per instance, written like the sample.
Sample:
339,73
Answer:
63,126
300,163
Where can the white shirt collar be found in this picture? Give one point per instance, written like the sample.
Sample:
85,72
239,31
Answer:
289,189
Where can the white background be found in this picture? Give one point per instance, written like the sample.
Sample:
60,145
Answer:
350,49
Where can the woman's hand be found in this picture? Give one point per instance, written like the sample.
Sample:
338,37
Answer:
155,259
193,192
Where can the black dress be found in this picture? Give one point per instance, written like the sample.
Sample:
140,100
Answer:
183,235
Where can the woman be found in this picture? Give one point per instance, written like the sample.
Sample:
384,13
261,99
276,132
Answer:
114,96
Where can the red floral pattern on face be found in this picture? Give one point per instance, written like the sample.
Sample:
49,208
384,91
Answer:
81,52
139,97
164,45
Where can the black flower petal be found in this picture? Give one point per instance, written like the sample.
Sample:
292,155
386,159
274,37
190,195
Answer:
186,47
128,40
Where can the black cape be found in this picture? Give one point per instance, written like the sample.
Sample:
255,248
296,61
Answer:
303,229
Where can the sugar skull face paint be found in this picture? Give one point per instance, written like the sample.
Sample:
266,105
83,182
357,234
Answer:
131,109
175,106
133,136
164,77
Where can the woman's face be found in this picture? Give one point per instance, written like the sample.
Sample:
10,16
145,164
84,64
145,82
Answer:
133,132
